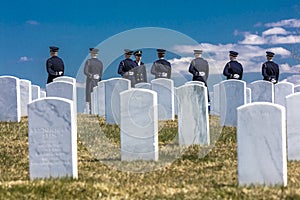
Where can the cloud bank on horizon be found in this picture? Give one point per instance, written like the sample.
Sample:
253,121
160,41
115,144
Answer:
281,37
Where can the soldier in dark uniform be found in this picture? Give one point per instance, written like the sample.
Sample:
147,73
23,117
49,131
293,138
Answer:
199,68
54,65
126,67
161,68
233,69
270,69
93,69
140,69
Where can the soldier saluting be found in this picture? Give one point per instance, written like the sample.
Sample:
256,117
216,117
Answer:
161,68
270,69
93,69
233,69
54,65
126,67
140,69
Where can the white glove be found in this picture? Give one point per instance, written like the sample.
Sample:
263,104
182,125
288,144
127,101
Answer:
236,76
60,73
201,73
96,76
273,80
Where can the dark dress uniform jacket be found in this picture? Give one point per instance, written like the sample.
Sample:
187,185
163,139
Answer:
54,65
270,70
200,70
231,68
161,69
140,72
92,68
127,65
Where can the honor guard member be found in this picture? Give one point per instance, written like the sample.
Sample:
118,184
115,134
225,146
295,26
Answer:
126,67
54,65
161,68
140,69
199,68
93,69
270,69
233,69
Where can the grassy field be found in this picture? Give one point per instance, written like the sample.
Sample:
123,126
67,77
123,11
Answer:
191,174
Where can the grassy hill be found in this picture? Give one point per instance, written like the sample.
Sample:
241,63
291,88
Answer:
190,176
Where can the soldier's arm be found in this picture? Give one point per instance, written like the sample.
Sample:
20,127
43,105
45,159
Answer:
169,71
153,69
264,72
63,67
86,69
120,69
241,75
206,71
101,69
49,68
277,74
226,71
192,69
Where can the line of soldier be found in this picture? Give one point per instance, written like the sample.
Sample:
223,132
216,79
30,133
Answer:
161,68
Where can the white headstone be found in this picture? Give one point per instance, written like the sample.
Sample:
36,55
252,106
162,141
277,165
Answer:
193,120
175,101
65,78
232,95
262,91
281,90
261,144
52,137
139,125
26,96
113,88
101,98
195,82
143,85
297,88
61,89
248,95
94,102
10,105
35,91
216,101
70,80
165,94
293,125
42,94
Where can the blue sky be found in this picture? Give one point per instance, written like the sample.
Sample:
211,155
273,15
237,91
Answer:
29,27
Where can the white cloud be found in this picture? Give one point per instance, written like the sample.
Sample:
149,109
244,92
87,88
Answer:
25,59
293,79
32,22
275,31
293,23
290,39
253,39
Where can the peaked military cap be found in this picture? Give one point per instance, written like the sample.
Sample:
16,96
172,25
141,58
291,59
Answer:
94,50
138,52
197,51
233,53
270,54
128,51
160,50
53,49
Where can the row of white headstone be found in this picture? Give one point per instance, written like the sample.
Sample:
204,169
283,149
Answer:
52,123
267,130
138,110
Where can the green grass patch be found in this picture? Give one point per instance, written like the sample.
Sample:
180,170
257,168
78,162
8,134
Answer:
210,175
